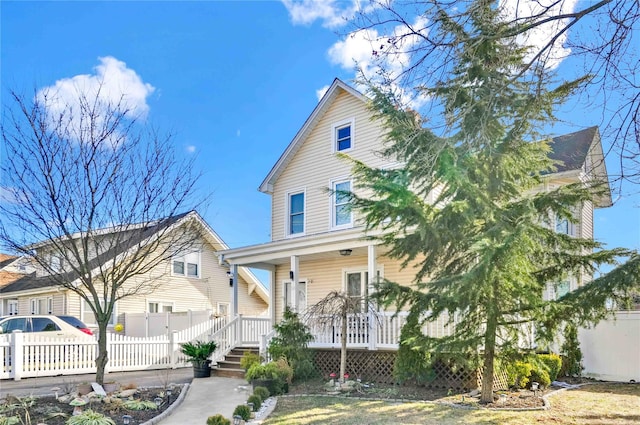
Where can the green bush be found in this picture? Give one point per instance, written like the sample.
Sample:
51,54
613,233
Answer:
256,400
89,417
539,375
261,392
218,420
279,371
249,359
518,373
243,411
291,342
553,363
571,353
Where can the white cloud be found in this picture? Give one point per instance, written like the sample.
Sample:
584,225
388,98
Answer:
191,148
332,13
360,51
321,91
111,84
539,36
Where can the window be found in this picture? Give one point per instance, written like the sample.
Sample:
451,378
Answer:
89,318
562,225
13,307
18,324
302,295
41,305
55,263
296,213
223,309
341,209
356,285
42,324
187,265
159,307
558,290
343,135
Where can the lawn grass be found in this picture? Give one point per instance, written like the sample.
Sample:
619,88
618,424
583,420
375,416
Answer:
602,404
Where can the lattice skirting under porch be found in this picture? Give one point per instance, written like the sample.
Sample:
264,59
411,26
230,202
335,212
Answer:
377,366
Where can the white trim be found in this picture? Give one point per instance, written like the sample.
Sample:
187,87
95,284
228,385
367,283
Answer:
10,311
287,225
34,305
333,215
221,303
349,122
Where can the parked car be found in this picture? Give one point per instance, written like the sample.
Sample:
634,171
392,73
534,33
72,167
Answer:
46,325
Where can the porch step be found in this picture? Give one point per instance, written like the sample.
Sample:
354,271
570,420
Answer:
230,366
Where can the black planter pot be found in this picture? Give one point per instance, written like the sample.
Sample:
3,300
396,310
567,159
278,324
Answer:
202,370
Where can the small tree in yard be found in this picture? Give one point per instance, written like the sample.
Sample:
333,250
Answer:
336,307
464,207
93,199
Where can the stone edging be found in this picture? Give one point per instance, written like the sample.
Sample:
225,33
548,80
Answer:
546,402
174,405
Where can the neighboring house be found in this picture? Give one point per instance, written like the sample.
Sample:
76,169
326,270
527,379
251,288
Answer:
317,242
194,281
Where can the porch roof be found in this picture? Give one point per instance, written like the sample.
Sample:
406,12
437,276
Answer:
311,247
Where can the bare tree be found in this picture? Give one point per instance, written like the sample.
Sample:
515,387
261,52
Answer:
93,198
336,308
415,42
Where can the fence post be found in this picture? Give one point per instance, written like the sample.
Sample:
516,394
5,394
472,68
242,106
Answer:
239,332
17,349
173,349
372,329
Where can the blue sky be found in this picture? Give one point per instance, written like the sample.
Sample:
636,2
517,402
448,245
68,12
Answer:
234,81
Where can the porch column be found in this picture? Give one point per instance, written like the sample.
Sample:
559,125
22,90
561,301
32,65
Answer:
272,295
293,274
372,267
233,268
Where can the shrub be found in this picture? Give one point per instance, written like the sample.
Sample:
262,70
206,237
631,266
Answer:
256,400
553,363
540,375
249,359
290,342
140,405
261,392
243,411
572,355
90,417
218,420
519,373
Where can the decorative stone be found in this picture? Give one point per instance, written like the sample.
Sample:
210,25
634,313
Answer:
97,388
127,393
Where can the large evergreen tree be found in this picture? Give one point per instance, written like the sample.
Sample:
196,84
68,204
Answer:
465,207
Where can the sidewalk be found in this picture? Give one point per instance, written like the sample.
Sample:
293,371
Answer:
207,397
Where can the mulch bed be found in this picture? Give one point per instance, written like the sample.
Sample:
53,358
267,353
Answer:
50,411
516,399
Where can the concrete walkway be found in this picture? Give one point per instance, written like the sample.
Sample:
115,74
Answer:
207,397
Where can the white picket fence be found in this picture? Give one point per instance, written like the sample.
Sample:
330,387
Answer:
26,355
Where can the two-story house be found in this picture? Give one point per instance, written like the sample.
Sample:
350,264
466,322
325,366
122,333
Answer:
193,280
317,241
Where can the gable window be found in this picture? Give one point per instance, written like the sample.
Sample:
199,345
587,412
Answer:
343,136
55,263
341,209
296,213
302,295
187,265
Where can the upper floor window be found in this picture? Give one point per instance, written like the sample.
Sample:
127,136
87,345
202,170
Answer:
56,263
343,136
296,213
563,225
187,265
341,208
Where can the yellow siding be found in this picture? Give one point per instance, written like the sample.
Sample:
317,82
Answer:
315,165
324,276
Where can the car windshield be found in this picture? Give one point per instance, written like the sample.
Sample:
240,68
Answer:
73,322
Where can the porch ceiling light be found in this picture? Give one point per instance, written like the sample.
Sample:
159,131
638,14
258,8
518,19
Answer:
346,252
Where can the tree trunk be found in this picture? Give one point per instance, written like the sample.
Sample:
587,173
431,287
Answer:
343,346
486,395
103,356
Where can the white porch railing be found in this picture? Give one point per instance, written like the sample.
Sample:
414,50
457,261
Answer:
27,355
373,331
